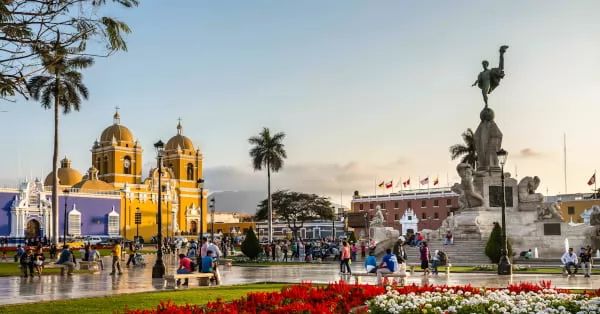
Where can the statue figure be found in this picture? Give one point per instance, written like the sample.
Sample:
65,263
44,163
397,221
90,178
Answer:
378,220
456,188
587,214
528,199
489,79
550,211
595,216
488,141
468,197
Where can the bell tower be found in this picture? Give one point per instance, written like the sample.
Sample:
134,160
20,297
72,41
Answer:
183,159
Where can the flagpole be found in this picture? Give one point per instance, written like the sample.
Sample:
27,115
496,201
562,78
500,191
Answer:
595,189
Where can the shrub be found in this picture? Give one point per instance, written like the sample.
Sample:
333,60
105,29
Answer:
251,246
494,244
352,238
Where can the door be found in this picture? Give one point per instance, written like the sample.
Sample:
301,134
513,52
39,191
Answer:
33,229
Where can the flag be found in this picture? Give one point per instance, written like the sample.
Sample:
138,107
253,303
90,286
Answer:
436,181
425,181
406,183
389,185
592,180
381,184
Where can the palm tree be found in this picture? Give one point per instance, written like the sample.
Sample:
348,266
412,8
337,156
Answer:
268,152
466,151
60,86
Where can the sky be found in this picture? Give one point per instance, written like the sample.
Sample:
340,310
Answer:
365,91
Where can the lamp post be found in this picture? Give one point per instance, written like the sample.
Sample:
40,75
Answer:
138,221
66,192
367,228
158,270
333,224
504,267
124,190
201,186
212,218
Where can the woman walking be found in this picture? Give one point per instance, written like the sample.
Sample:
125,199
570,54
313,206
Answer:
345,258
425,257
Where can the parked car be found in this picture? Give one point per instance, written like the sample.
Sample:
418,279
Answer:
94,240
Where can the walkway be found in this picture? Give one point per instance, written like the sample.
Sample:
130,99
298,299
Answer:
25,290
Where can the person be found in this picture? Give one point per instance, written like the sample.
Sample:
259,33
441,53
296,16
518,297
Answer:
38,261
528,254
449,238
435,262
345,259
371,263
363,249
569,259
131,253
587,262
4,258
96,257
116,259
489,79
26,261
53,251
185,267
425,256
66,258
353,251
209,265
20,251
389,264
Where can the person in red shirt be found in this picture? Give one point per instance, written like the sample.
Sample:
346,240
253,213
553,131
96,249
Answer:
185,267
363,250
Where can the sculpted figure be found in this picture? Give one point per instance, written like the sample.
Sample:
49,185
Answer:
456,188
488,141
527,188
379,219
595,216
550,211
468,197
489,79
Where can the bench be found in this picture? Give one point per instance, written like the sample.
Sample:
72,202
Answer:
357,276
412,267
563,267
226,262
92,266
54,265
171,279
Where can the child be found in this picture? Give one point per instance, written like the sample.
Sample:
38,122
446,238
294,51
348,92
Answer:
4,258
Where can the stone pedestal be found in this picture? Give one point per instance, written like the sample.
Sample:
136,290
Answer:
489,186
384,237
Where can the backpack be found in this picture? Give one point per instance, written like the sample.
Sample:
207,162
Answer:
443,258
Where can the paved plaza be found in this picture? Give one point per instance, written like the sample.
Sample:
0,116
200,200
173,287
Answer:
53,287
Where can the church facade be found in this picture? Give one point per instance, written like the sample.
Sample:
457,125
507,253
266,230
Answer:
106,199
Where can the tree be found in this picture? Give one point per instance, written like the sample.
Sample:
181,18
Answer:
268,152
466,151
494,244
352,237
61,87
251,245
26,26
296,208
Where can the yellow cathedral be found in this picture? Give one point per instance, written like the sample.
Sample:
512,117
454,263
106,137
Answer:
117,167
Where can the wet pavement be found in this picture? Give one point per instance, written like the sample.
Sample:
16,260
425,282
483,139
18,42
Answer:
15,290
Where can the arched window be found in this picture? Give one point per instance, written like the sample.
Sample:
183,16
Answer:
74,222
190,172
127,165
105,166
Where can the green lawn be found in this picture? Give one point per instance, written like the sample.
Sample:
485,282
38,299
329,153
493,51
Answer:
144,300
12,269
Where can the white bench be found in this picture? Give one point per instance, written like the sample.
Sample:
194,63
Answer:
92,266
171,279
54,265
357,276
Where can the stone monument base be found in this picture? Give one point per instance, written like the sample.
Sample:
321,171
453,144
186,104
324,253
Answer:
384,237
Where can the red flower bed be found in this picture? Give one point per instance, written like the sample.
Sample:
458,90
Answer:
334,298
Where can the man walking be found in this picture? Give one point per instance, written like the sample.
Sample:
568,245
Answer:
116,259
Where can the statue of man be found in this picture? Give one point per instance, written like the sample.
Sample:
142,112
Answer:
379,219
489,79
469,197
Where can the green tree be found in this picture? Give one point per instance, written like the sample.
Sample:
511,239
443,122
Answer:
268,151
251,245
27,26
465,151
296,208
60,87
352,237
494,244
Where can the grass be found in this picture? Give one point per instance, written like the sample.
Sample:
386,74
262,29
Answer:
11,269
144,300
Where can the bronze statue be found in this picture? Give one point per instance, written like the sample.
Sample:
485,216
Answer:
489,79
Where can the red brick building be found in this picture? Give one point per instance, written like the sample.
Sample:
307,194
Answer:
431,206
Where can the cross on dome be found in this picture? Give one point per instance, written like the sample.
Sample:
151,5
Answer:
179,127
117,116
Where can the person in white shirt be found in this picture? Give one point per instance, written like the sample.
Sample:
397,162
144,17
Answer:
570,260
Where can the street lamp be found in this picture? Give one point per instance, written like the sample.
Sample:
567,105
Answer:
504,267
367,228
124,190
201,186
158,270
138,221
66,192
333,224
212,218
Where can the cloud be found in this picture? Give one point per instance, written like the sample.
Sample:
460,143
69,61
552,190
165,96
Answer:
529,153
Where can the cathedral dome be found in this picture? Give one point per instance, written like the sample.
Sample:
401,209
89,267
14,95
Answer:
179,141
92,183
67,176
118,132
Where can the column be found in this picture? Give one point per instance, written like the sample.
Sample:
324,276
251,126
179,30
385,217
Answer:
13,223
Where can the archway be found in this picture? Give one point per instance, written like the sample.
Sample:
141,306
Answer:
193,227
33,229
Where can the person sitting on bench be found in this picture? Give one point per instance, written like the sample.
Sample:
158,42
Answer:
185,267
389,265
371,263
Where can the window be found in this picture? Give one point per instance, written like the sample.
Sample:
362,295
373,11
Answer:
382,205
74,223
423,216
396,217
571,210
113,225
423,203
97,165
127,165
396,204
409,204
370,205
409,217
436,203
105,165
436,215
190,172
360,207
449,202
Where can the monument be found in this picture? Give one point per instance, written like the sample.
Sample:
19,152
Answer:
384,237
530,222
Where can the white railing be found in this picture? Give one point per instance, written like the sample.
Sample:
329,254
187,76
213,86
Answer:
420,193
